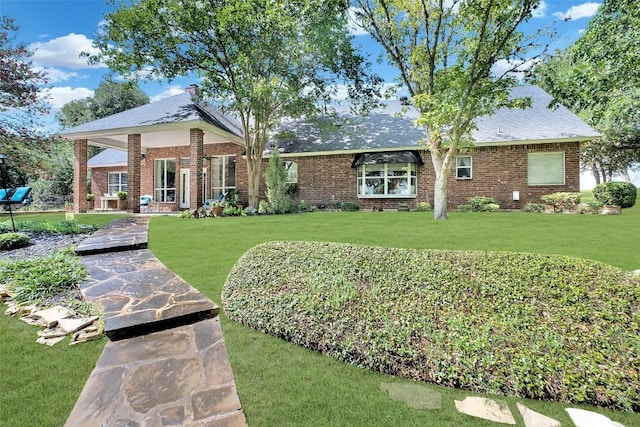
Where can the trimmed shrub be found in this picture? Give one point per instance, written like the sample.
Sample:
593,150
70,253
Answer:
483,204
562,201
10,241
350,206
423,207
465,208
534,207
621,194
528,325
590,208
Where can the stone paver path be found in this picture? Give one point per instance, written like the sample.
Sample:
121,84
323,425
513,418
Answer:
167,362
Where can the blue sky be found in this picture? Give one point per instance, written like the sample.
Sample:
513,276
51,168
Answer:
58,30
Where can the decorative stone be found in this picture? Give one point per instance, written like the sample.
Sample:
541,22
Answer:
535,419
3,292
51,316
584,418
172,416
87,334
51,333
74,325
487,409
414,395
50,341
210,402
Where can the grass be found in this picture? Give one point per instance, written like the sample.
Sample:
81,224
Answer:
281,384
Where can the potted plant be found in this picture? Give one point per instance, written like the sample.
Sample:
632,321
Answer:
90,200
122,200
217,207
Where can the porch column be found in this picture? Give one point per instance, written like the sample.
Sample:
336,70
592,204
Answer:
134,157
80,175
196,152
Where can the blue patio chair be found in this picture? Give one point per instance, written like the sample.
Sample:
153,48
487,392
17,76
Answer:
17,196
145,202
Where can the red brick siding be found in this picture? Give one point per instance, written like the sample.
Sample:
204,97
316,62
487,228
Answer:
497,172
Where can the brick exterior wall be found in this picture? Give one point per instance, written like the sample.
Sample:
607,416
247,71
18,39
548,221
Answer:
80,175
134,157
497,172
100,184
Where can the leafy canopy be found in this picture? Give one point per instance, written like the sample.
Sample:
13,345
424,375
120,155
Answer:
260,59
597,77
445,52
21,105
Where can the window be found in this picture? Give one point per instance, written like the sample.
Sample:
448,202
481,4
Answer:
546,168
387,180
164,180
292,172
464,167
117,182
223,175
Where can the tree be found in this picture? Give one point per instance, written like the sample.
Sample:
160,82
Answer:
261,60
598,79
21,104
109,98
444,52
276,182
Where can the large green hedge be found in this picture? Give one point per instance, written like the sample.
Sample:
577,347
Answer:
621,194
538,326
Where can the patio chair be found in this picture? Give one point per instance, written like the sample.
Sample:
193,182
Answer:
145,202
17,196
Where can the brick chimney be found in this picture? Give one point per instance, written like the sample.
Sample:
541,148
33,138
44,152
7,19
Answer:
194,90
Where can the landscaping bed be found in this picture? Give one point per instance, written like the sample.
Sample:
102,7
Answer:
538,326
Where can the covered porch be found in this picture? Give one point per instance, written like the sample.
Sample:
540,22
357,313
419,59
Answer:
168,145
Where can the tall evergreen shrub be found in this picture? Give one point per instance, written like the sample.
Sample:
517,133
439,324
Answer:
276,181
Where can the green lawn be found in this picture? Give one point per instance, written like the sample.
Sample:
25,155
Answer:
281,384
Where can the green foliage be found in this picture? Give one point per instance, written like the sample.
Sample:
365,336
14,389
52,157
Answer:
465,208
90,197
590,208
534,207
275,179
423,207
263,207
350,206
621,194
43,226
122,195
444,52
37,280
109,98
483,204
537,326
279,58
10,241
562,201
597,78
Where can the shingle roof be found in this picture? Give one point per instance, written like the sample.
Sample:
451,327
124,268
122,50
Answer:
108,157
391,127
171,110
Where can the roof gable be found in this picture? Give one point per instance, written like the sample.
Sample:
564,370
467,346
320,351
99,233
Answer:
168,111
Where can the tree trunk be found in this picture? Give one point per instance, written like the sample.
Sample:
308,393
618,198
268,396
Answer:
441,166
596,173
253,174
624,175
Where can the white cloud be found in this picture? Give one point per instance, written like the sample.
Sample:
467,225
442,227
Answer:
540,11
354,26
513,67
63,51
170,91
55,75
584,10
59,95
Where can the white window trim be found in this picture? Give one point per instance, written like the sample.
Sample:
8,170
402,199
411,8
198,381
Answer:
361,179
165,189
119,173
225,187
464,178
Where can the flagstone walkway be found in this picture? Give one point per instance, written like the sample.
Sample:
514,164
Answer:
166,363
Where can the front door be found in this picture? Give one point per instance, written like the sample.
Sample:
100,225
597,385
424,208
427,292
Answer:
184,189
